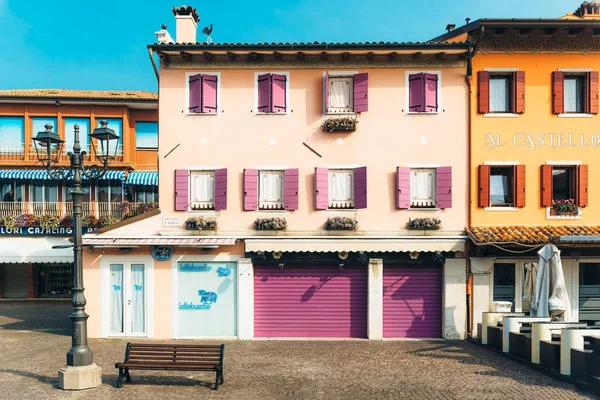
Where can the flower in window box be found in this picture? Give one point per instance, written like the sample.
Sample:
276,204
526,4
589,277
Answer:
424,224
10,221
270,224
49,221
334,124
206,224
67,221
564,207
341,224
26,219
107,220
89,220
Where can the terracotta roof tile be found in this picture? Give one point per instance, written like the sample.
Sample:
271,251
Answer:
528,234
80,94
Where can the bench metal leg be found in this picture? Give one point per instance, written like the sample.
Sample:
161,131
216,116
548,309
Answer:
120,379
219,379
127,376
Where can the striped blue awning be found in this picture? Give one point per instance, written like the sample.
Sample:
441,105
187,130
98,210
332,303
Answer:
143,178
43,174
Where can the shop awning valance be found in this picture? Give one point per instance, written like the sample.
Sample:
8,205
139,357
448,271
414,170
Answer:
173,241
34,250
363,244
43,174
143,178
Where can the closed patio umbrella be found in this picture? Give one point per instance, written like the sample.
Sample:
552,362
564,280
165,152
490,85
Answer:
530,278
550,298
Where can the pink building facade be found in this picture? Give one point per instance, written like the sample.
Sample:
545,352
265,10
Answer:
311,190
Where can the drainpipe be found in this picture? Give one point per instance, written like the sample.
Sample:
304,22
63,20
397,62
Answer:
150,53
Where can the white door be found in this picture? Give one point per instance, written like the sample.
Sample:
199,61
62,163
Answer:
127,299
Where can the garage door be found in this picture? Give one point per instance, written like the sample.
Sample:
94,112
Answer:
309,301
15,281
412,301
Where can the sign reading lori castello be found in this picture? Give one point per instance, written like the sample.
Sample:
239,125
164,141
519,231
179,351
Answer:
533,141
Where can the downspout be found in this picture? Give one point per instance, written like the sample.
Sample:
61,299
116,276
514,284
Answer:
150,53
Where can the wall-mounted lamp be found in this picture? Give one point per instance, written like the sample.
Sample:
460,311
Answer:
281,265
343,255
413,255
277,255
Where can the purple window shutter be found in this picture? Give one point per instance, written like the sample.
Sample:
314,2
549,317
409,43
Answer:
361,92
326,91
444,187
431,92
221,189
416,102
195,90
278,102
250,189
182,188
290,187
402,187
321,185
209,94
360,187
264,93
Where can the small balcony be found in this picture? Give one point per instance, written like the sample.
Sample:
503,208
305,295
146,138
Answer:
97,209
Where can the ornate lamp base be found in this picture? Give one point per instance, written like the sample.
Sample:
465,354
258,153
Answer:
79,378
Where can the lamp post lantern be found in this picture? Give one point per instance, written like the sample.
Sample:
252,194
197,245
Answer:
80,371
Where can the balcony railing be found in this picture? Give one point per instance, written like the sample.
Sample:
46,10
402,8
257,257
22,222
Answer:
98,209
12,152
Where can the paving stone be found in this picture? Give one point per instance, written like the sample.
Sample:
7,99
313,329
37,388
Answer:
34,338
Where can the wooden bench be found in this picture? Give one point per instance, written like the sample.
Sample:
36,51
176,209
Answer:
172,357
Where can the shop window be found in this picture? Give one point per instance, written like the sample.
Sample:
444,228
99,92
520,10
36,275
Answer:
502,186
422,188
55,280
504,282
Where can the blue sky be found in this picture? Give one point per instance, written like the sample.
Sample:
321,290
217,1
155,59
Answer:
98,45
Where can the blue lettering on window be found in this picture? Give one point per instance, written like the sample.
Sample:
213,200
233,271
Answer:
223,271
138,287
116,287
207,297
194,267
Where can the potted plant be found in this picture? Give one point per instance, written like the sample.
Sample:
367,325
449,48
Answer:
10,221
564,207
49,221
89,220
200,223
337,124
428,224
341,224
106,220
67,221
270,224
27,219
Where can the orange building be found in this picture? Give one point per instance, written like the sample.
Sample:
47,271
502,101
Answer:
534,153
28,265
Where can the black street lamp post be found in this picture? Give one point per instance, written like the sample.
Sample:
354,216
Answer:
48,147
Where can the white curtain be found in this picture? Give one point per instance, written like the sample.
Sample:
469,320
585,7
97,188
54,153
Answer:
137,298
499,99
203,187
423,187
116,298
572,95
341,192
550,297
498,189
271,189
339,92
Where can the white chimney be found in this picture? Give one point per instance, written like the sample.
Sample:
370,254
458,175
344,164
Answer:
186,24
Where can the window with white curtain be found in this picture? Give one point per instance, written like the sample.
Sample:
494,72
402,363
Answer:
574,93
422,188
203,190
341,188
341,96
500,93
270,189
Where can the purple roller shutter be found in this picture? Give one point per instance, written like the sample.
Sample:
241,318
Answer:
326,91
221,189
264,93
209,94
290,187
412,301
402,187
278,90
250,189
361,92
444,187
431,92
416,102
360,187
310,301
195,90
321,185
182,188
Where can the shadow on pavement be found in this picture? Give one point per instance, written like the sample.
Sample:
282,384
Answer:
38,316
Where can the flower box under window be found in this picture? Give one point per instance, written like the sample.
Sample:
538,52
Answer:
336,124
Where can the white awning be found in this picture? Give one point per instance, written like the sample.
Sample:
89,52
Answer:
181,241
427,244
34,250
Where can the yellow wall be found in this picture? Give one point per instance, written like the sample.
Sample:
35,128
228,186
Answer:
564,139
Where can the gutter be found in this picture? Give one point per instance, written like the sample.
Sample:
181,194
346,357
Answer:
307,46
156,73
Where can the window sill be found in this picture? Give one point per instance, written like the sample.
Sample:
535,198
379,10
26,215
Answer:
575,115
349,113
423,113
341,210
424,209
212,212
271,212
501,208
267,113
203,114
501,115
146,149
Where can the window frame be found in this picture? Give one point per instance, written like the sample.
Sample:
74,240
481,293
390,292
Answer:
407,75
133,192
577,76
329,200
281,172
434,185
23,122
509,79
512,186
136,135
99,185
572,171
192,172
66,187
287,93
13,183
339,74
186,109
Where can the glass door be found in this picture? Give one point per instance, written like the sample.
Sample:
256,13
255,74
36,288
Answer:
127,299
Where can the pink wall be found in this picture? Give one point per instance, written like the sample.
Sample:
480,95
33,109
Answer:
385,138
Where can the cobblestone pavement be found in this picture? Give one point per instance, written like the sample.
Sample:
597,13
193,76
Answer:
34,337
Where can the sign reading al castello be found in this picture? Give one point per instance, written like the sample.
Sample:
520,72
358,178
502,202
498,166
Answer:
532,141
